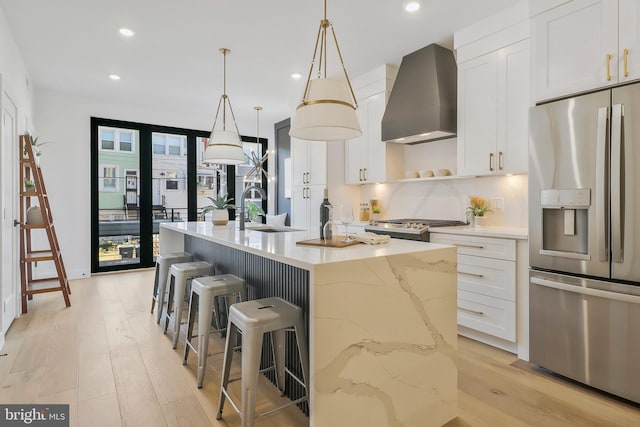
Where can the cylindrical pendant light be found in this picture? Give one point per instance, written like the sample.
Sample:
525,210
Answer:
225,146
328,108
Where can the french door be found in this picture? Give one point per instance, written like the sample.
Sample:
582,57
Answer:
144,175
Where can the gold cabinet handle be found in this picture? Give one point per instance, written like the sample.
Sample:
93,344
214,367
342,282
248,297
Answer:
626,62
500,160
491,162
479,313
464,273
608,66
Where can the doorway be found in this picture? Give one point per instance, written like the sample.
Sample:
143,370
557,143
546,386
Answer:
8,186
144,175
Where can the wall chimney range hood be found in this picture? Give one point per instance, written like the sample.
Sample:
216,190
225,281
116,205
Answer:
422,104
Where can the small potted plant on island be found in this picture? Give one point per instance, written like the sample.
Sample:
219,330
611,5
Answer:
220,209
254,211
478,207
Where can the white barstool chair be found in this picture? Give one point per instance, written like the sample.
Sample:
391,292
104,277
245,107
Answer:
204,291
163,263
179,275
253,319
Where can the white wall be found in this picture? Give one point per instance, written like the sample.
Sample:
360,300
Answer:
447,199
14,83
64,119
15,79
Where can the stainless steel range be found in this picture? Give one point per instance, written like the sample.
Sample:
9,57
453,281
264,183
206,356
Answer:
409,228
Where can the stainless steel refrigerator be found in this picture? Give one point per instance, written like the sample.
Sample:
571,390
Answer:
584,239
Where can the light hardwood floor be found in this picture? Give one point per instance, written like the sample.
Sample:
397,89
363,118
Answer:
108,359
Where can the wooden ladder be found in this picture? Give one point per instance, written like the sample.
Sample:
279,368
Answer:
29,170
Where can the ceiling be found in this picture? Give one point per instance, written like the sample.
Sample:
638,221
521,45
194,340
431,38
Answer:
172,63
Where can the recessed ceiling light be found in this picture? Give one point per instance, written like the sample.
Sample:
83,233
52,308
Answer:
114,77
296,76
126,32
412,6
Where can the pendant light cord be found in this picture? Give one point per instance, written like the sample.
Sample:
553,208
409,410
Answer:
224,99
321,41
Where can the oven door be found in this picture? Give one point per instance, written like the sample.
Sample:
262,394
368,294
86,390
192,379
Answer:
422,236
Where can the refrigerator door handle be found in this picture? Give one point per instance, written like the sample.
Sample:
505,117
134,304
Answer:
634,299
617,184
602,184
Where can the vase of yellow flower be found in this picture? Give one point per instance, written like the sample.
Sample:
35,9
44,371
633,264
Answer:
478,207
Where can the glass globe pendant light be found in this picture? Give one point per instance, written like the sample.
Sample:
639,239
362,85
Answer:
225,146
328,108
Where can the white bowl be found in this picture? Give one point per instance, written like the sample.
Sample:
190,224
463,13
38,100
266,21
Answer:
443,172
426,173
411,174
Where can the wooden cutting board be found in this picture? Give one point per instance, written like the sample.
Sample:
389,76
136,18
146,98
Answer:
335,243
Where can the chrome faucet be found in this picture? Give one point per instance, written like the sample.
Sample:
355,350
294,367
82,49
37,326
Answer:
263,194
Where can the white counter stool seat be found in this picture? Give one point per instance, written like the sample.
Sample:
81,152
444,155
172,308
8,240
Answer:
163,263
204,291
254,319
179,275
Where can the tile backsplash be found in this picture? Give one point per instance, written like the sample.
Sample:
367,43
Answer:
447,199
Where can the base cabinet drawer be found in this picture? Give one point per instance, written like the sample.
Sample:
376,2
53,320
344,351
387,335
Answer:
491,277
493,316
488,247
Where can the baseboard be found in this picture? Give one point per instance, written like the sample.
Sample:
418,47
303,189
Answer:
505,345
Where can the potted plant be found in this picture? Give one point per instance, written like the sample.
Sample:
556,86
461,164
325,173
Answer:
36,147
376,213
219,206
254,211
29,185
478,207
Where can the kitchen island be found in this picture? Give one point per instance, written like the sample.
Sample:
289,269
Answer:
381,319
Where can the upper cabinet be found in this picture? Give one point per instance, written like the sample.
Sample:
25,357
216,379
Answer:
367,158
494,94
309,162
585,44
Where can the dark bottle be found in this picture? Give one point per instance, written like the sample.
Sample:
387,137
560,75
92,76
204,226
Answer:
325,208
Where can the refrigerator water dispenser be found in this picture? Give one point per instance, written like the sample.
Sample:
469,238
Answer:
565,223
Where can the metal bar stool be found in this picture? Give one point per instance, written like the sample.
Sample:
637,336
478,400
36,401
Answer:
179,275
163,263
253,319
204,291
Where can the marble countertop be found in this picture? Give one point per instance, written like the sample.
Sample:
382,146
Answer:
282,246
488,231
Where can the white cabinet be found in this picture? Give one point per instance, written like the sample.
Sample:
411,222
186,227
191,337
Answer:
477,114
367,158
575,48
584,45
486,283
305,207
309,162
365,155
493,109
309,169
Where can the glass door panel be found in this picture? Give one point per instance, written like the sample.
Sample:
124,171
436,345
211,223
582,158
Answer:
118,196
169,181
211,179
